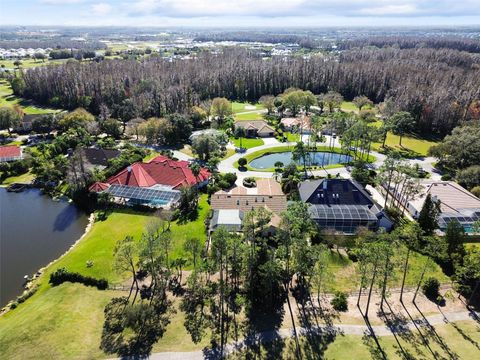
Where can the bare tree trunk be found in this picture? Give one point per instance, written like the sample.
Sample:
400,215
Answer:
405,268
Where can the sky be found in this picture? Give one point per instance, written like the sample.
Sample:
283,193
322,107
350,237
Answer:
240,13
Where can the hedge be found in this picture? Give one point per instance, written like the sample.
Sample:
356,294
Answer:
61,275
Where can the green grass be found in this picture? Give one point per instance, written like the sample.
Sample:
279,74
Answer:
346,276
30,63
249,116
292,137
414,144
351,107
240,107
24,178
9,100
247,143
66,321
284,148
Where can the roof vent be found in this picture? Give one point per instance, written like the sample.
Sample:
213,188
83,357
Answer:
129,169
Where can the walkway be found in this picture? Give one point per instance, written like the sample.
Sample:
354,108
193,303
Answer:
380,330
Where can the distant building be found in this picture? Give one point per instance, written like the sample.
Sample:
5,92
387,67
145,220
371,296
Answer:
27,120
229,207
10,153
156,183
456,203
98,157
342,206
256,128
296,124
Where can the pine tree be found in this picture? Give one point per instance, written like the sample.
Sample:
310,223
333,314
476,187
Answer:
428,218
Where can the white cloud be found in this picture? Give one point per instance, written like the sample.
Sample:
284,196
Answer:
405,9
101,9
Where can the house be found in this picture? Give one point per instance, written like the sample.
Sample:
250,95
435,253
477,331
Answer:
256,128
98,157
230,207
301,124
456,203
27,120
10,153
155,183
342,205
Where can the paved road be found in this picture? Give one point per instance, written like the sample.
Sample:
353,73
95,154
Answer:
265,337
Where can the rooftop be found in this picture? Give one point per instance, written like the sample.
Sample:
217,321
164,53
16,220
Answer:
10,151
453,198
99,156
159,171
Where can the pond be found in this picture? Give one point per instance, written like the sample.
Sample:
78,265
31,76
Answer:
317,158
34,230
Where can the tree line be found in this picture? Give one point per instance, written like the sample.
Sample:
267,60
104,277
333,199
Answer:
440,88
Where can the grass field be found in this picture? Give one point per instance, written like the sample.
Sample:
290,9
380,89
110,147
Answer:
8,99
247,143
24,178
351,107
66,321
249,116
346,277
243,106
414,144
30,63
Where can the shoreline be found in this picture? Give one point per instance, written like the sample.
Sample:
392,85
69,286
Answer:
37,275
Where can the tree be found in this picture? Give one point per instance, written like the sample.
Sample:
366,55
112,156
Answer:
469,177
9,119
111,127
180,129
193,246
278,166
240,133
43,124
206,146
467,274
125,254
361,101
134,125
242,162
333,100
221,108
402,123
268,102
300,152
198,116
454,236
188,202
75,119
428,217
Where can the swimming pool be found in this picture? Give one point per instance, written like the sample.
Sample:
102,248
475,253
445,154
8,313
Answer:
317,158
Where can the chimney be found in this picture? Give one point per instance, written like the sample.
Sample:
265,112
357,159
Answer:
129,169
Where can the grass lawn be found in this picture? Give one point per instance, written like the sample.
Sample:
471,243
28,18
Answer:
292,137
247,143
30,63
415,144
351,107
24,178
187,150
228,153
249,116
346,276
66,321
8,99
244,106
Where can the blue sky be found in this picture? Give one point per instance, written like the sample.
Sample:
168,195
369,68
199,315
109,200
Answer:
242,13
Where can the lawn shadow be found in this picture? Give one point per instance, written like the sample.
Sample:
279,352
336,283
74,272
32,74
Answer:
398,325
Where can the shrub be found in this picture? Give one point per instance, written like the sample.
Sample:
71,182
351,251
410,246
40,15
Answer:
430,288
476,191
61,275
340,301
230,178
249,182
446,177
242,162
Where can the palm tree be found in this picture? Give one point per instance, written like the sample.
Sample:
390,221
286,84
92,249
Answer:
300,152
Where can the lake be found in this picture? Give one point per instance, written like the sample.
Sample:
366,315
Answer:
34,230
317,158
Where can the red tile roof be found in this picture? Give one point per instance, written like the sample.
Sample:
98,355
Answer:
160,170
98,187
10,151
